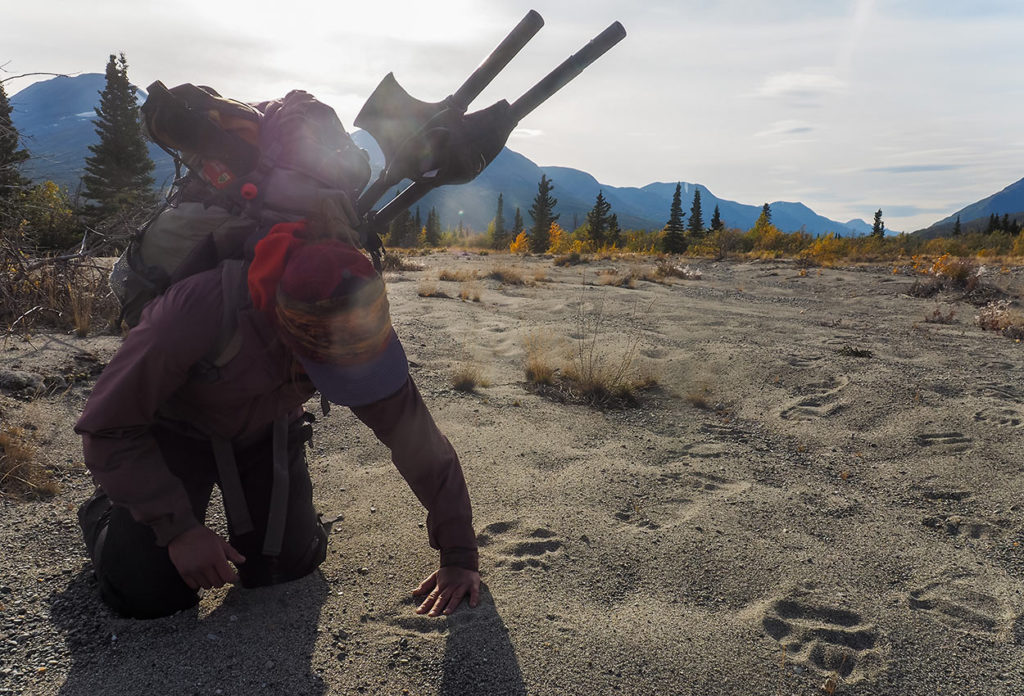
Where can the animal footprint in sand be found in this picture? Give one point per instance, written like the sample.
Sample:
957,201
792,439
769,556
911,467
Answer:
950,442
534,550
822,400
681,496
1004,417
801,362
955,602
828,639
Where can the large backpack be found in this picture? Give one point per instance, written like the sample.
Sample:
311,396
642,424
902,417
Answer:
249,167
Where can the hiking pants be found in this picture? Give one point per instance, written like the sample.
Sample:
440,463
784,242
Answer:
136,577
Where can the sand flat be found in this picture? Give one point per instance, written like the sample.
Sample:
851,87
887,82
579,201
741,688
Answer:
825,490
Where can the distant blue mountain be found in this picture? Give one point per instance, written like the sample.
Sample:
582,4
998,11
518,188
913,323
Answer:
1009,201
55,116
55,119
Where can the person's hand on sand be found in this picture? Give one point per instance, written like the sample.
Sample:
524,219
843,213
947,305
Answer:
201,557
445,589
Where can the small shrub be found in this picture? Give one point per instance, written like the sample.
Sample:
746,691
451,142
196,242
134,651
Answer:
430,288
611,277
1000,316
21,476
571,259
506,275
470,291
521,244
456,276
394,261
467,377
937,316
852,352
539,369
664,268
700,397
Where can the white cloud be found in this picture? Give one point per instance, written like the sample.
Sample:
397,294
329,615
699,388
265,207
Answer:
807,84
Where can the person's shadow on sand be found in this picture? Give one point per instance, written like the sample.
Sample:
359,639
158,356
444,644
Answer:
255,641
479,658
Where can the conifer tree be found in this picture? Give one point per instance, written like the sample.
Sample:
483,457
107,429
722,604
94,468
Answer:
432,230
956,227
597,221
419,220
696,224
402,231
675,241
499,234
614,236
716,221
542,212
766,212
118,174
12,183
517,224
878,228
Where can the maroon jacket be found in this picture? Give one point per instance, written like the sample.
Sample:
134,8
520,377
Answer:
152,379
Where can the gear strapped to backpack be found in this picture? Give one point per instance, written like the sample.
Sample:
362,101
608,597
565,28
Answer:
249,167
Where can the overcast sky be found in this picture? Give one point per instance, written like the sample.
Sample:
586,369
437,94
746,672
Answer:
911,106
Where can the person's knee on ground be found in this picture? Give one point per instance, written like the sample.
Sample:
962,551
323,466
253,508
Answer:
136,577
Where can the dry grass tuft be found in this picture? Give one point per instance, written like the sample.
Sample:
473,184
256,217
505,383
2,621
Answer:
456,276
1002,317
394,261
937,316
700,397
611,277
21,476
470,291
539,368
430,288
592,374
571,259
506,275
466,377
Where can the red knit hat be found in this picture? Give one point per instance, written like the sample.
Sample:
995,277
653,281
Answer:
332,310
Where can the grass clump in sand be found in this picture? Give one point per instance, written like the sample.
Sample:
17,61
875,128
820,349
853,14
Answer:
469,291
1000,316
430,288
591,372
506,275
456,276
394,261
21,476
467,376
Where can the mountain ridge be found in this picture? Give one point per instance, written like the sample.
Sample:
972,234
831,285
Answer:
55,118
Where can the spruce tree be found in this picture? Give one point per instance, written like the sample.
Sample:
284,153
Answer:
402,231
696,224
878,228
956,227
118,174
597,221
614,231
675,240
432,231
766,211
499,236
542,212
517,224
716,221
12,183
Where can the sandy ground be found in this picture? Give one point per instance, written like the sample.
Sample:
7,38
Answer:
824,493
